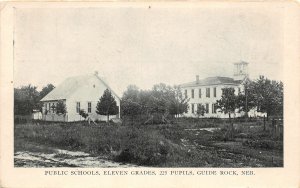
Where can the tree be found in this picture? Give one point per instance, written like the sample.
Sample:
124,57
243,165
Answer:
245,99
26,99
178,103
130,102
268,96
278,98
83,114
47,89
158,103
160,98
61,107
107,105
200,110
228,101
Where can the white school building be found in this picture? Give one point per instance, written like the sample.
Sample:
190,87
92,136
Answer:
207,91
77,93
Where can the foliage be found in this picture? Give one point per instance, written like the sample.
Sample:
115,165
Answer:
159,145
26,99
83,114
268,95
245,100
228,101
61,107
263,144
178,104
162,100
130,102
200,110
263,94
107,105
47,89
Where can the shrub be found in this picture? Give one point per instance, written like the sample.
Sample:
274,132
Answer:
144,148
263,144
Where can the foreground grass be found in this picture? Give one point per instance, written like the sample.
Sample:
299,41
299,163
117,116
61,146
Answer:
180,144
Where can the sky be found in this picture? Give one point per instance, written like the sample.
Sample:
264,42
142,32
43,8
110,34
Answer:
145,46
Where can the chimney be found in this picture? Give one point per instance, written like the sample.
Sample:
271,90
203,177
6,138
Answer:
197,79
96,73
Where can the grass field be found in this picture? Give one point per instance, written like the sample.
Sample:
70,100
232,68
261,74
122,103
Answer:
184,143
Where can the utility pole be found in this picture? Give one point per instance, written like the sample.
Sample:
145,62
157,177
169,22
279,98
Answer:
246,94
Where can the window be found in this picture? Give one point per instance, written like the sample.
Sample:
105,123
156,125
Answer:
193,110
207,108
214,109
198,106
53,108
199,93
215,92
89,107
49,107
185,93
208,92
78,107
192,93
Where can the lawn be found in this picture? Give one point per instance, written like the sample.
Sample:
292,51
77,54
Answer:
183,143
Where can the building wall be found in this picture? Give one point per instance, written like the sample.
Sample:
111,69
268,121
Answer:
51,113
210,101
55,117
37,115
91,92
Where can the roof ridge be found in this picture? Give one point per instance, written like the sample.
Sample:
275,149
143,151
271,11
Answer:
212,80
107,85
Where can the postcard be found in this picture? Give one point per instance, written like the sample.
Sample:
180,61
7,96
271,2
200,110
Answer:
150,94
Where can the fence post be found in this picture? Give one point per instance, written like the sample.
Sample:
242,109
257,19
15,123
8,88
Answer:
276,128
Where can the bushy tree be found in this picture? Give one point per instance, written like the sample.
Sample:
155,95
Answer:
178,103
26,99
161,101
61,107
83,114
228,101
130,102
245,99
268,96
46,89
107,105
160,98
200,110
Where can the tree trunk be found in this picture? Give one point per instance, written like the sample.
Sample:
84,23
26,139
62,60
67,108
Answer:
246,115
108,119
231,127
264,123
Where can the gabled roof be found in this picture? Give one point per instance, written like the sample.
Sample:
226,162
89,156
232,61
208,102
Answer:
217,80
70,85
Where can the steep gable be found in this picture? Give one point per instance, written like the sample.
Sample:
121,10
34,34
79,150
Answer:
71,85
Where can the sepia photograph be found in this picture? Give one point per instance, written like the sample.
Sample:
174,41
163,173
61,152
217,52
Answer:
148,86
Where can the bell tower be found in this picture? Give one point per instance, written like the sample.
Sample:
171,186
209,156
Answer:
240,70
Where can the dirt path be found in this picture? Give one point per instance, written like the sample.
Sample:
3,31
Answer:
231,153
63,158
